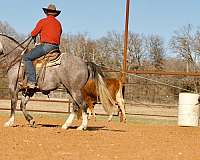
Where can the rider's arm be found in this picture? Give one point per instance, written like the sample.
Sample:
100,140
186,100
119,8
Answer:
37,29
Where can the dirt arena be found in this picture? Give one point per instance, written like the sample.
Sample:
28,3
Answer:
102,141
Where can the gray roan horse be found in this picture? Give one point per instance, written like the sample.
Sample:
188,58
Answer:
73,73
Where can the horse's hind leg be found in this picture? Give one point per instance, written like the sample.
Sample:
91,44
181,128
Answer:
27,116
84,123
14,97
121,106
78,98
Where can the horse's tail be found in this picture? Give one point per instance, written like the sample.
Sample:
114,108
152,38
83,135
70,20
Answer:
104,95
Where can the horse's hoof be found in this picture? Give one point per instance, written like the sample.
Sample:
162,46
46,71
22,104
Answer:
32,123
8,124
65,127
81,128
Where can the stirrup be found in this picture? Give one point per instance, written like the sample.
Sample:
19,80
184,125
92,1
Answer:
31,85
22,84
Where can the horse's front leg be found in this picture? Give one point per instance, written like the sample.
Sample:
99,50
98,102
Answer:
24,100
69,120
77,104
71,117
14,97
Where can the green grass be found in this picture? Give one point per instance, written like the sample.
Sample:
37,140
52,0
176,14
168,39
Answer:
130,118
151,121
140,120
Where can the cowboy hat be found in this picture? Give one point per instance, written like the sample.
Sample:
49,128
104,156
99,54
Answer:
51,10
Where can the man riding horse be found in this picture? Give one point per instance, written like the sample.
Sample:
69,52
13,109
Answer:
50,31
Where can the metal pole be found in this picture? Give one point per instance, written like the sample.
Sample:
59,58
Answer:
126,40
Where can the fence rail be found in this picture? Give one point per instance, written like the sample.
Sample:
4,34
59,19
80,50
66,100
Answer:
131,106
136,86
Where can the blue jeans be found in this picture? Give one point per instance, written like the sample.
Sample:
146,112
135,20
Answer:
35,53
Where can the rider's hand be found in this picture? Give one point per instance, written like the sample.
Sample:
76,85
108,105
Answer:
34,39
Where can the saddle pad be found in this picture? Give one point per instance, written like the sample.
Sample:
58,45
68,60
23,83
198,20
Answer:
51,63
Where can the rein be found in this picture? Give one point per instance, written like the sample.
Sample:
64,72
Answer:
25,49
18,44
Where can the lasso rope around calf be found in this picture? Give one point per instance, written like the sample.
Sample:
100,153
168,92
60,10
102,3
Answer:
141,77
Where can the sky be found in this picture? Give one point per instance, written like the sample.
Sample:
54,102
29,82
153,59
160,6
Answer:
97,17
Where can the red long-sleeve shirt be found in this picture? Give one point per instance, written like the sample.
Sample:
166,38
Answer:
49,29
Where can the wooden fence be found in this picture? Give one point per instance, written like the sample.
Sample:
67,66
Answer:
150,90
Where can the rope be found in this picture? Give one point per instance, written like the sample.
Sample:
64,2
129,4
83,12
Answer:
166,84
18,45
141,77
25,49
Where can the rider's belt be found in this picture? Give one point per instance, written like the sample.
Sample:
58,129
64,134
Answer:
49,43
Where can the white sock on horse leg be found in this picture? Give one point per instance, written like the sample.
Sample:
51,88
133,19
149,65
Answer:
69,120
83,126
10,122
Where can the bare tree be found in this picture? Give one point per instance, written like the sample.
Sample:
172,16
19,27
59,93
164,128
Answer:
91,53
196,47
155,48
5,28
136,49
79,45
65,43
183,42
111,47
102,49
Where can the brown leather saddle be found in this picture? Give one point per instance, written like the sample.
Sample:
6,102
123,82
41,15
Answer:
39,64
51,56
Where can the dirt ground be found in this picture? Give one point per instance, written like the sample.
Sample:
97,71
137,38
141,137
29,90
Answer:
102,141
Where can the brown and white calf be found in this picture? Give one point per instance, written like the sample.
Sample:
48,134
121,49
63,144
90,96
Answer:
116,90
